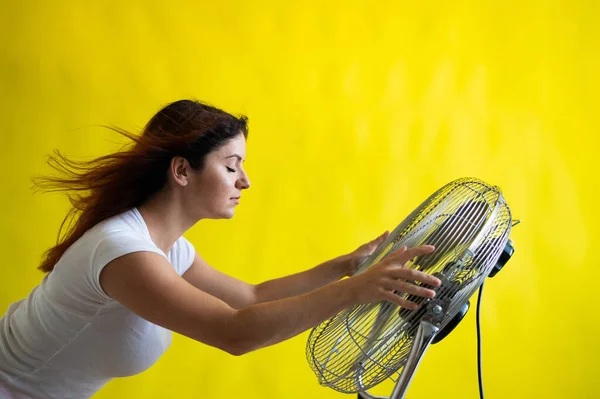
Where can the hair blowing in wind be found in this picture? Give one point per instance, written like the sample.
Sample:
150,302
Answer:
108,185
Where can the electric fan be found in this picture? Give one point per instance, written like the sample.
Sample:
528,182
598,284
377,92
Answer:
468,222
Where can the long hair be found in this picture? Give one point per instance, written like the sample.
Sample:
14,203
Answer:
111,184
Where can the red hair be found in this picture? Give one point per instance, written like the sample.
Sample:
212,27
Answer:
111,184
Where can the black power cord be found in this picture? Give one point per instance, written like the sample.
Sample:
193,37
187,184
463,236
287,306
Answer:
479,378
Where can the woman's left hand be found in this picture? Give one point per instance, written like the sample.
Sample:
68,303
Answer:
350,262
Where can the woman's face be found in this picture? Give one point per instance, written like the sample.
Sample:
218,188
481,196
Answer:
216,189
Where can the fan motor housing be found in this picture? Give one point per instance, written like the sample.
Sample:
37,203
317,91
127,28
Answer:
508,251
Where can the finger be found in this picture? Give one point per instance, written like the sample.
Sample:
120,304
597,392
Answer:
388,296
379,240
383,236
412,289
414,274
397,252
371,245
408,288
411,253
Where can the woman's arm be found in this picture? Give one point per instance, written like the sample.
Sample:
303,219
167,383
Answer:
239,294
148,285
302,282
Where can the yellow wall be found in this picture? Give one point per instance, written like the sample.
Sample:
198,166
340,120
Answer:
358,111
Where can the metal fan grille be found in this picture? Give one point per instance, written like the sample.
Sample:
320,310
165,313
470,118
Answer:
468,222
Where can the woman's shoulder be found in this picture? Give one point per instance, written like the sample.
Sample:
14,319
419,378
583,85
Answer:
117,231
182,255
129,220
120,225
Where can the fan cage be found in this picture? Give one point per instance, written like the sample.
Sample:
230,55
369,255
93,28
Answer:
468,221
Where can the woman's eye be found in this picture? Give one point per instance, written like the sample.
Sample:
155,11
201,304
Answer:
230,169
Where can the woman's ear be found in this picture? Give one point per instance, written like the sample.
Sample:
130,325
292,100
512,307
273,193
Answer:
178,170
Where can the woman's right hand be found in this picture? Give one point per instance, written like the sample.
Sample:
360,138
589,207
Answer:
380,281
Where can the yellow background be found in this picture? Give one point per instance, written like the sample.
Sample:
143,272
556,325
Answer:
358,111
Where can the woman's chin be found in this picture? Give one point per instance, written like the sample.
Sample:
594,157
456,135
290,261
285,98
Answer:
226,214
223,213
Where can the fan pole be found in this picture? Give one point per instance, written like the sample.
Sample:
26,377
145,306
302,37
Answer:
425,335
367,395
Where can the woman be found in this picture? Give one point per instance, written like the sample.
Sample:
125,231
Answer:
123,277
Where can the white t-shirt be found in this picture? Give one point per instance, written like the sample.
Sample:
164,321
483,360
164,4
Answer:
67,338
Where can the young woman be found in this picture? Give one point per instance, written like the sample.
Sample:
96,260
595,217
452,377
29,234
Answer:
123,277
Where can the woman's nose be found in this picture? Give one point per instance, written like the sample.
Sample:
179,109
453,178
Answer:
243,183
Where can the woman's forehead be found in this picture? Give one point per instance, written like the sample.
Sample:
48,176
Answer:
235,148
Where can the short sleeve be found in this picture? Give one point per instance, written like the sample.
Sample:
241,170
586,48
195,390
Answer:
114,246
183,255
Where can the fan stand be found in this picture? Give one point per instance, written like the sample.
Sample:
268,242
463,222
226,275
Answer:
425,336
428,333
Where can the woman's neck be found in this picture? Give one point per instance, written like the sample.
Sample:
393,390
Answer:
166,220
